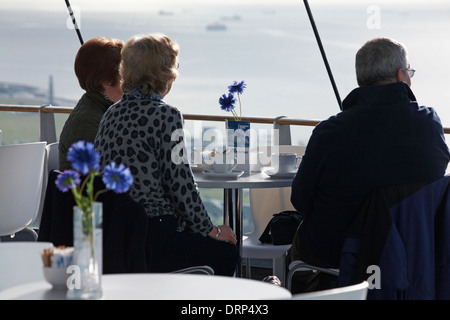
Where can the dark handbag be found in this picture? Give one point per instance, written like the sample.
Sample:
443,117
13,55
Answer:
281,228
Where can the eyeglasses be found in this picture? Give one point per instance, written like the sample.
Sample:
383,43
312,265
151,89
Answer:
410,72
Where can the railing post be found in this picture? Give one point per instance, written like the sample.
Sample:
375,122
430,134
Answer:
47,129
284,131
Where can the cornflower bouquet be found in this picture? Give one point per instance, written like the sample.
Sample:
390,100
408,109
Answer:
86,162
228,102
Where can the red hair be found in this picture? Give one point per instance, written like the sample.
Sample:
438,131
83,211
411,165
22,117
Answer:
97,61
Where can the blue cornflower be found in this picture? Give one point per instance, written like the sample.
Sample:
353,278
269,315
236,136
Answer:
86,162
227,102
237,87
67,180
118,179
83,157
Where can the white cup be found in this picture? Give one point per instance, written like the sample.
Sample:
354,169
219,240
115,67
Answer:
224,163
284,162
203,157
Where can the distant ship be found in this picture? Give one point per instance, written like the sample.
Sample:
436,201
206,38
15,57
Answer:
216,27
165,13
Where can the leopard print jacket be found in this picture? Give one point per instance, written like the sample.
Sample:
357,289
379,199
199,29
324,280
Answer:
137,131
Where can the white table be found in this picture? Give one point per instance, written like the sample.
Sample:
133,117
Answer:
160,286
233,206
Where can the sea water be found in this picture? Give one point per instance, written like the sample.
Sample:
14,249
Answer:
271,47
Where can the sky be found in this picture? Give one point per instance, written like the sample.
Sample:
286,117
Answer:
121,5
116,5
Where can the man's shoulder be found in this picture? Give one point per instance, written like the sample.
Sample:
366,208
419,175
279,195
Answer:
428,114
426,110
331,123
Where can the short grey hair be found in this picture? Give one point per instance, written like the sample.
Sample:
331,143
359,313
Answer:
378,61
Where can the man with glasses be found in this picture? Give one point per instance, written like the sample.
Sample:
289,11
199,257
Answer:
381,138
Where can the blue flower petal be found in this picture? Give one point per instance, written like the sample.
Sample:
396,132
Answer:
118,179
67,180
227,102
237,87
83,157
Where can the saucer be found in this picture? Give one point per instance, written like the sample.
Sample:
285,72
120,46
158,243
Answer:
270,171
196,168
227,175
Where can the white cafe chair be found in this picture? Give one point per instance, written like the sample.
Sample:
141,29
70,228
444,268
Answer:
353,292
52,156
21,176
206,270
264,202
51,162
21,262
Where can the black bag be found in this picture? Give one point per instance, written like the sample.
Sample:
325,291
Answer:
281,228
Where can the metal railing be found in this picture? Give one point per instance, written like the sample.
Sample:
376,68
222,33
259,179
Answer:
47,130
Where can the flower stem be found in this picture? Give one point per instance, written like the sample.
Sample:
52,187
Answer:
240,107
99,193
235,115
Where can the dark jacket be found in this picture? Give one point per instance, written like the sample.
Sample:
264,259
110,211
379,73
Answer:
407,240
82,124
124,226
382,137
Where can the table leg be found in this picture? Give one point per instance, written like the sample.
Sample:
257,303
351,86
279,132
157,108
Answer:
233,209
228,216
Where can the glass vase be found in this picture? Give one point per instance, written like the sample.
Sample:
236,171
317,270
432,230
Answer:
238,138
87,242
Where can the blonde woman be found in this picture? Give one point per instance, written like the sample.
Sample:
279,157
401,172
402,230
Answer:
138,131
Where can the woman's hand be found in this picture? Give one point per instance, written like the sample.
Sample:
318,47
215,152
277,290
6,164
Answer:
225,234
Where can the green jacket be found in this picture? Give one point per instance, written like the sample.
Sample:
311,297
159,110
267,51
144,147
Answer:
82,124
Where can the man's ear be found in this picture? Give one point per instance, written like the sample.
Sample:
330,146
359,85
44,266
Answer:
402,76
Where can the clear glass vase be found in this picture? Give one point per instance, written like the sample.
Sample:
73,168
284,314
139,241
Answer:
87,242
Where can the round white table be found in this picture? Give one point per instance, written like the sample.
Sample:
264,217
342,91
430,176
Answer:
254,180
233,206
160,286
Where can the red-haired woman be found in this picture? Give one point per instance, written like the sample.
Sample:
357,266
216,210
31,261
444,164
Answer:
97,69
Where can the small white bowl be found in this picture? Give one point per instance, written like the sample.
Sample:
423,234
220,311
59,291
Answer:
57,277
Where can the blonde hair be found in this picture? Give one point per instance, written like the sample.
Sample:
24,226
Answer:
149,62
